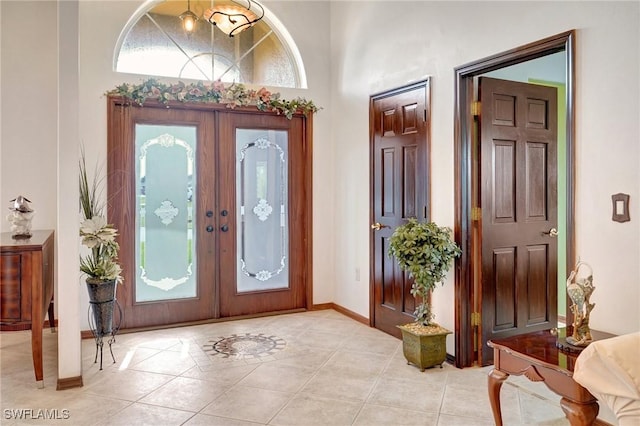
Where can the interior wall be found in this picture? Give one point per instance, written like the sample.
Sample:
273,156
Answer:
370,55
29,81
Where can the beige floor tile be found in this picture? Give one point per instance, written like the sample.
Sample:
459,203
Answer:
353,386
229,375
249,404
166,362
129,385
142,415
320,339
305,357
378,415
205,420
183,393
535,410
473,401
278,376
449,420
87,409
408,395
352,361
314,410
336,325
376,344
398,368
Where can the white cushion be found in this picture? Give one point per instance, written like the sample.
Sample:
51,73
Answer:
610,370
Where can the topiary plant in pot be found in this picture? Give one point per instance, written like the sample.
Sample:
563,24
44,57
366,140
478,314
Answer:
426,251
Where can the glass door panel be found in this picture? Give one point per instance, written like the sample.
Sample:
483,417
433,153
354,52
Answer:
166,193
262,210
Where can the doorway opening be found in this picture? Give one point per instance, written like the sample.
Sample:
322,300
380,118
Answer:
467,233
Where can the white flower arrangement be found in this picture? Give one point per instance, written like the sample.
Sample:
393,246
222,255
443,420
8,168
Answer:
101,264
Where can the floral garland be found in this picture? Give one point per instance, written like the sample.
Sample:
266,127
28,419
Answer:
233,95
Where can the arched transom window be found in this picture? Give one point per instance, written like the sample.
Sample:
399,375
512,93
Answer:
155,42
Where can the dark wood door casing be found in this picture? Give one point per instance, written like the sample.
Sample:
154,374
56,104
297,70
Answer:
122,118
519,204
465,354
399,145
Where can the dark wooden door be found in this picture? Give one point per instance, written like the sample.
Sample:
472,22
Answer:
518,184
262,212
400,190
186,186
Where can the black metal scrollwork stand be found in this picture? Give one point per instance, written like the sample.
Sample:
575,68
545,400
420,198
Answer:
99,331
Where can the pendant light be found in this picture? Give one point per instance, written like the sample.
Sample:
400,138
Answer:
235,16
189,19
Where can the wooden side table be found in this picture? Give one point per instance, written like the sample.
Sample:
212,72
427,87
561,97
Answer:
26,288
536,356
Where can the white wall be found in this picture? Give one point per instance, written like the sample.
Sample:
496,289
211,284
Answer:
29,80
376,46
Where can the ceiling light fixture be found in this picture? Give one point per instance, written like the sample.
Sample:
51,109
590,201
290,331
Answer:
234,17
189,19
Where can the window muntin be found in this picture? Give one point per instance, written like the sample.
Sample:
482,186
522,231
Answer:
154,43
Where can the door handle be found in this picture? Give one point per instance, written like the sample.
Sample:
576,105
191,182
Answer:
553,232
378,226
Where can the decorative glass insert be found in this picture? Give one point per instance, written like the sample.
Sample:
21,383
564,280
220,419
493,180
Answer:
155,43
165,220
262,206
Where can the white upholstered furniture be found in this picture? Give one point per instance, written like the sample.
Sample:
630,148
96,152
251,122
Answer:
610,370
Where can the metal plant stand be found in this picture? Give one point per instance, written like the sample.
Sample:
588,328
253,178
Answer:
99,335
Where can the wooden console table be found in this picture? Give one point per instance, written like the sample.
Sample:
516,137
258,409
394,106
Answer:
536,356
26,288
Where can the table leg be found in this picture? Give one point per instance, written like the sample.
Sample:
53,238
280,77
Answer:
37,314
495,380
580,414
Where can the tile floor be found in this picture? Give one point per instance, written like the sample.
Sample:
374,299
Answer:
316,368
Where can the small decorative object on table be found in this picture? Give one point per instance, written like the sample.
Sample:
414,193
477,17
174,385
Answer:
579,290
20,217
100,264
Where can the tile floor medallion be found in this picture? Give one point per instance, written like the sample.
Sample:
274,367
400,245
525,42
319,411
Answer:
245,346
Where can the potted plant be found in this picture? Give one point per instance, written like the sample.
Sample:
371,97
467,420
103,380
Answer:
100,264
426,251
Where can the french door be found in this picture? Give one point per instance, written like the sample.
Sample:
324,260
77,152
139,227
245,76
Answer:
212,207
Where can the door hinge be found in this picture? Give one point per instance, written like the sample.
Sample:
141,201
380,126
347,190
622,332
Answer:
475,319
476,213
475,108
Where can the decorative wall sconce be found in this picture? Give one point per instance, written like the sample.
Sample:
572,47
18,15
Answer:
189,19
234,17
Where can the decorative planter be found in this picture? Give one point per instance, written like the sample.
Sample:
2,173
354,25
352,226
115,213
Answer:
102,297
424,346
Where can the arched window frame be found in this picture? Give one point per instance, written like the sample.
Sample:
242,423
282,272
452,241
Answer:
269,18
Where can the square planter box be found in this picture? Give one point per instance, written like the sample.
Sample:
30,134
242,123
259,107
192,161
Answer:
424,346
